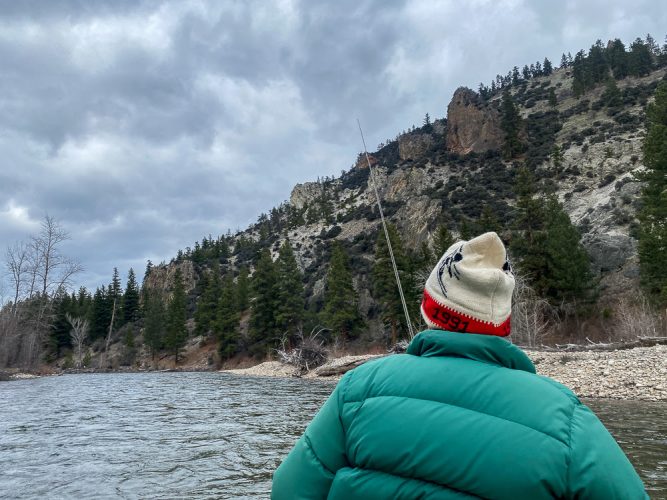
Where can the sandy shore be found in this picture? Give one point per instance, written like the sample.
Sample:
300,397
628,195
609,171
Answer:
639,373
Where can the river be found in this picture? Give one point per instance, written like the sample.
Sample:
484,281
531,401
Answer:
201,435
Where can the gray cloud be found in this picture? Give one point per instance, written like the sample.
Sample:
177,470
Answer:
144,126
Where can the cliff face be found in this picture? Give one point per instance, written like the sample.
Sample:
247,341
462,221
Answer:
305,193
427,177
472,125
162,277
412,146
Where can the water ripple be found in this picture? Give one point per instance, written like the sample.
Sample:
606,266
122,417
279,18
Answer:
198,435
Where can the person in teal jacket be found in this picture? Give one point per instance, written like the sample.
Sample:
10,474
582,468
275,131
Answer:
461,415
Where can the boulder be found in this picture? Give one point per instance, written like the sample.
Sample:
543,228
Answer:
472,125
608,252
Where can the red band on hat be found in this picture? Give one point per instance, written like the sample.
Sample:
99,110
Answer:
453,321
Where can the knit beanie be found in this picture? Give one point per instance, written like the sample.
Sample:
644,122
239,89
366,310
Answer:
470,290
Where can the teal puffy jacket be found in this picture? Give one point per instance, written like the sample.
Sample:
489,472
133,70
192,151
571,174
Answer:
459,416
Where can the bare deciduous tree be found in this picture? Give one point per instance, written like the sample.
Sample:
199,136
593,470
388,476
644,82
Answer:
78,335
17,262
54,270
37,270
635,318
532,317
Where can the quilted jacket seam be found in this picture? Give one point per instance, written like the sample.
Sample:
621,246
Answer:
319,460
363,401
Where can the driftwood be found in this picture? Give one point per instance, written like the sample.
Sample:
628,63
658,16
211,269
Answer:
330,371
309,353
613,346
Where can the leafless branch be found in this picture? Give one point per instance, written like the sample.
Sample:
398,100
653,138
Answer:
309,353
532,317
78,335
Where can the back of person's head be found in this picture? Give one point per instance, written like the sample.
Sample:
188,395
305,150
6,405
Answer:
470,289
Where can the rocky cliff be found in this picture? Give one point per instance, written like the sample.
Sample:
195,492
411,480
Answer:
449,171
429,184
472,125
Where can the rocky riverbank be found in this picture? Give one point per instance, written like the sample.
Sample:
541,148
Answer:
639,373
14,374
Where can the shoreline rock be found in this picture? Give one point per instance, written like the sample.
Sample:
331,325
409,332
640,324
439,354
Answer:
639,373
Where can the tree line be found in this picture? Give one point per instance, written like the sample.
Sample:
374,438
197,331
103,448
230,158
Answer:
589,68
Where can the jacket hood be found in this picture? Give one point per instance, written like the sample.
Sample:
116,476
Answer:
484,348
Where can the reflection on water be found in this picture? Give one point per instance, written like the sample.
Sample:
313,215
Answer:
199,435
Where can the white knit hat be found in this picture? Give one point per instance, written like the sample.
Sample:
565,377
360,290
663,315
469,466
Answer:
470,290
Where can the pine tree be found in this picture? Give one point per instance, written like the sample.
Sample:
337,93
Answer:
208,301
511,125
263,314
548,246
385,290
569,275
488,220
131,298
154,321
618,59
442,240
59,336
563,61
100,314
242,290
516,76
652,45
547,67
553,100
290,305
340,298
525,72
581,78
662,59
227,320
538,69
597,63
465,231
144,286
640,61
653,214
84,303
557,158
176,333
612,97
528,242
116,299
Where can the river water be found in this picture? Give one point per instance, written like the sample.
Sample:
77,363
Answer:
201,435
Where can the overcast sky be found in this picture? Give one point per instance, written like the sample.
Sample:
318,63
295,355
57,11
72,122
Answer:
144,126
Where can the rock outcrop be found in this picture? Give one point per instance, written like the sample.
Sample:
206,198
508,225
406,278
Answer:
162,277
303,194
411,146
363,163
609,252
472,126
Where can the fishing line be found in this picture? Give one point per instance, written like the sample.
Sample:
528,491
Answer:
386,234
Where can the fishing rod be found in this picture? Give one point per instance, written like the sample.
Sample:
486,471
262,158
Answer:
386,234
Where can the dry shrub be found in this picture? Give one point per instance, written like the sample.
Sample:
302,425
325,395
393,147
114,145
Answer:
635,318
533,318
